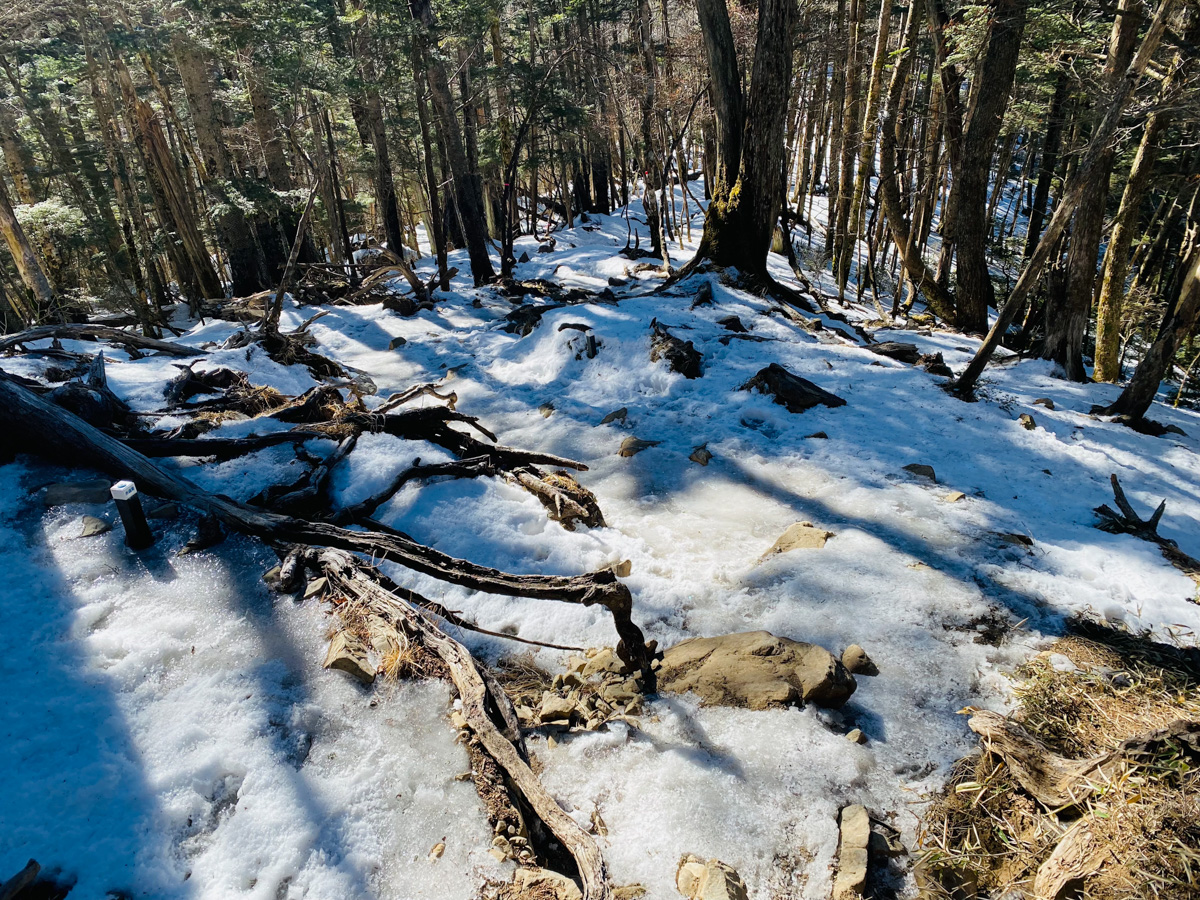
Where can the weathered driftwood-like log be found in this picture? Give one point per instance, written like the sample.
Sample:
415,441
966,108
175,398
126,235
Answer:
350,577
680,355
901,352
1052,780
792,391
1057,782
39,426
1077,855
96,333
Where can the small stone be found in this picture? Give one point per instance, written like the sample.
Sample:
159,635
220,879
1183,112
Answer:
614,281
524,258
1044,401
576,663
855,660
436,852
497,854
615,415
798,536
697,879
348,654
817,435
856,735
93,526
623,568
732,323
700,455
314,587
93,491
852,854
551,743
458,720
954,496
921,471
632,446
397,342
1027,422
547,410
555,709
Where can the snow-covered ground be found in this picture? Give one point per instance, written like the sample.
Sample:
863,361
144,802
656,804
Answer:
167,729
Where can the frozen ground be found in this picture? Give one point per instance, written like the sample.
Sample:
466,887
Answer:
168,732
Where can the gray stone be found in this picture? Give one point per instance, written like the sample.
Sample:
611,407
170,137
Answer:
755,669
922,471
93,526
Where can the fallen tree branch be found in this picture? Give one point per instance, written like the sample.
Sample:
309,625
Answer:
350,577
38,425
1127,521
96,333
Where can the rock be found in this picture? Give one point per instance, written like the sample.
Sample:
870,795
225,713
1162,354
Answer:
93,491
620,693
857,662
852,854
1027,422
396,342
604,662
547,410
700,455
524,258
348,654
614,281
954,496
92,526
623,568
615,415
555,709
732,323
542,884
792,391
799,536
314,588
1044,401
711,880
755,669
436,852
922,471
906,353
704,295
935,365
632,446
817,435
856,735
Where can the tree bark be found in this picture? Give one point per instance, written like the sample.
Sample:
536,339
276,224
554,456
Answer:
466,185
993,82
29,267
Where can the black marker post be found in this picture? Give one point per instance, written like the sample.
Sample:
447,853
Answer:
129,505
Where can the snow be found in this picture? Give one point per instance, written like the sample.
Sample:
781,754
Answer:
169,731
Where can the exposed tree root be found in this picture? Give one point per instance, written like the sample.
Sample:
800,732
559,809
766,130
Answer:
483,703
40,426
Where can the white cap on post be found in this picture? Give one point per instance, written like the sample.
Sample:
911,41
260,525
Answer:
123,490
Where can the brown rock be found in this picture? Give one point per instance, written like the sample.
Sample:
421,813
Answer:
542,884
755,669
857,662
798,536
852,854
697,879
349,654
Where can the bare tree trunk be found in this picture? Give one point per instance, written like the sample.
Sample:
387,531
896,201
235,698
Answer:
466,186
1067,311
28,265
1074,191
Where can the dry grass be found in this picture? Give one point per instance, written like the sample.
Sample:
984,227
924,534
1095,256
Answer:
984,836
